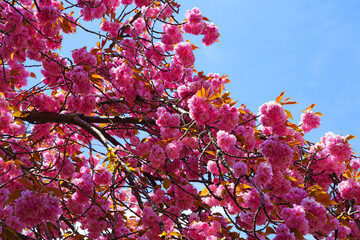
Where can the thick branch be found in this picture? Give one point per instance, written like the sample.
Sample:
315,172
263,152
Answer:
44,117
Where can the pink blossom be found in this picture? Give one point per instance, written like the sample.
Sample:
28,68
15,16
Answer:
158,196
135,140
14,223
173,149
172,34
240,169
112,4
82,56
225,140
48,14
157,156
86,185
212,166
272,115
283,233
184,54
150,217
203,112
210,33
309,121
103,177
193,28
264,173
81,104
4,195
194,15
349,189
296,195
5,119
295,218
111,27
166,11
318,212
80,80
194,24
336,146
141,3
127,2
355,163
166,119
156,53
229,118
197,230
139,25
252,199
278,184
278,153
46,103
183,198
190,142
32,209
96,11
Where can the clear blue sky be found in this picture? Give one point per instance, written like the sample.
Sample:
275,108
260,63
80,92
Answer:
310,49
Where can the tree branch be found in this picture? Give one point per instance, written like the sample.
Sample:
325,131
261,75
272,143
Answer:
45,117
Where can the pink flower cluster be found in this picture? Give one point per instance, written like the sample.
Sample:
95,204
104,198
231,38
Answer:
173,149
296,218
278,153
211,34
6,117
202,111
111,27
172,34
225,140
264,173
184,54
93,10
150,218
157,157
203,231
309,121
166,119
102,176
272,115
81,104
195,25
32,208
127,2
48,14
83,57
229,118
283,233
181,197
80,80
94,220
240,169
141,3
246,134
336,146
85,188
349,189
318,222
355,163
155,54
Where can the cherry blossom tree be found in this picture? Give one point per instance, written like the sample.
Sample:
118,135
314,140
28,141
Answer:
127,140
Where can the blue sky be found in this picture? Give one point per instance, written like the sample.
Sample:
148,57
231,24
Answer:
310,49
